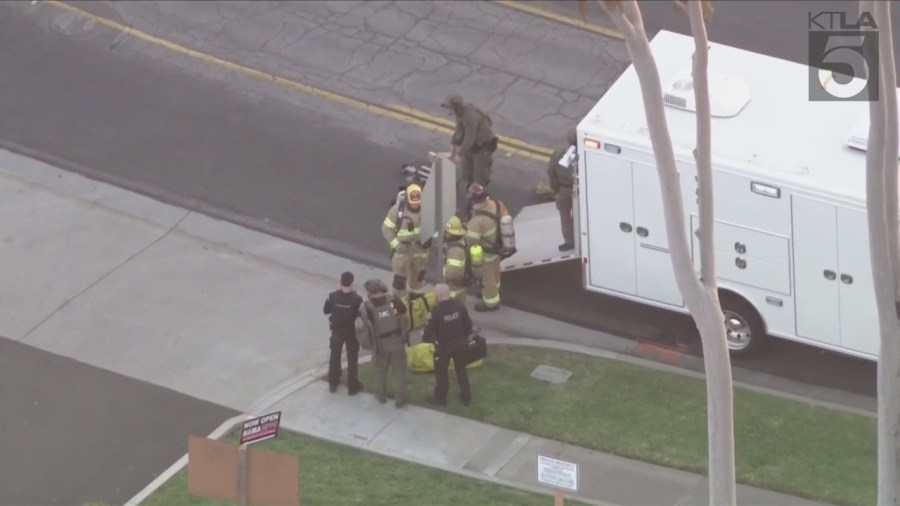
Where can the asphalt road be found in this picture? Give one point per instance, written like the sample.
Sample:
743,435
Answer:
128,112
774,28
72,433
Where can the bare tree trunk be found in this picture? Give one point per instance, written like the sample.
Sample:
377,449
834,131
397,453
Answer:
701,297
881,201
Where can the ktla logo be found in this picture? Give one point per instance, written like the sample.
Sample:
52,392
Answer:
839,53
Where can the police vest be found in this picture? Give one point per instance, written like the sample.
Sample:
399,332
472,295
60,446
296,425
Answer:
385,320
342,313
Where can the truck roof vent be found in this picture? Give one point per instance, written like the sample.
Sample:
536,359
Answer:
727,95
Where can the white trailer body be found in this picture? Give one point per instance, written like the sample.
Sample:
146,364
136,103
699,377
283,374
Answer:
791,234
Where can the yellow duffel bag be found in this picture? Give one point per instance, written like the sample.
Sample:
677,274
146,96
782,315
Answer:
420,358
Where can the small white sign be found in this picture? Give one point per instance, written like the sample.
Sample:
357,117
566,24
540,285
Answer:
558,473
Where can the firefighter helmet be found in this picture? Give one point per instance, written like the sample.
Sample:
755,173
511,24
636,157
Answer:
414,194
455,227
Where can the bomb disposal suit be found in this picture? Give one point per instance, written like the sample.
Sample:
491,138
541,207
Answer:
409,254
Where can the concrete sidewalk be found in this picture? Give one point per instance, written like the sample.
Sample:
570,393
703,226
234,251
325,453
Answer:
491,453
233,316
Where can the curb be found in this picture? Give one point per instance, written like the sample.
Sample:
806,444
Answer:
660,358
179,464
629,354
278,394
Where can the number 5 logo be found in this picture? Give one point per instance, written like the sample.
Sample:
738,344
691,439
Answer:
839,68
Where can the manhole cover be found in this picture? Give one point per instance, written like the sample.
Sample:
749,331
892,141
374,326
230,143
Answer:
73,25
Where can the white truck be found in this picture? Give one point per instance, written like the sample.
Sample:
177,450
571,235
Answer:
791,235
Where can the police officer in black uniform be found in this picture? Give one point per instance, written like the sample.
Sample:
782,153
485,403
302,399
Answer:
342,306
450,325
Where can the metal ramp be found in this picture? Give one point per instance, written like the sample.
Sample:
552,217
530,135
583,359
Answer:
538,236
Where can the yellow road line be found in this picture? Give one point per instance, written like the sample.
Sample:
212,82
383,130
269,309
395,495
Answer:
560,18
446,121
524,149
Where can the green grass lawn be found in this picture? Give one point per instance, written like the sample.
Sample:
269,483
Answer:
338,475
660,417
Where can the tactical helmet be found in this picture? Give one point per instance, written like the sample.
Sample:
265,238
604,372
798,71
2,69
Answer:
414,194
374,286
453,101
572,137
455,226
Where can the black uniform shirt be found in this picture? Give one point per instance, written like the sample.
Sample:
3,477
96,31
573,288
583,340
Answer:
448,321
342,309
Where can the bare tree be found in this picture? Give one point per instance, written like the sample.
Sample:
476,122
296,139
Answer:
701,295
884,248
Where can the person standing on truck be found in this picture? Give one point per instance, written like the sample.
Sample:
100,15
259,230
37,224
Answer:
562,182
456,263
450,326
342,306
409,255
483,233
391,334
473,140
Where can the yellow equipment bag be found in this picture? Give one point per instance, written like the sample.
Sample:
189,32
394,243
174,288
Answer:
419,307
420,358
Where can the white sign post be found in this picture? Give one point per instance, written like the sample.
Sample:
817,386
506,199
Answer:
559,474
439,203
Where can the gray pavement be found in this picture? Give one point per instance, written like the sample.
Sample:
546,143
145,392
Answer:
231,316
524,70
774,28
73,434
275,159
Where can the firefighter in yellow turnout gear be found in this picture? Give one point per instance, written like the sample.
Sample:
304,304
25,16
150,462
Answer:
455,264
409,254
483,241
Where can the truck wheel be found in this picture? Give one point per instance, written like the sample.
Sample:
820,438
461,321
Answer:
744,329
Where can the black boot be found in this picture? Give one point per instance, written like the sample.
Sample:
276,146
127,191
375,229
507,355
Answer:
566,246
359,387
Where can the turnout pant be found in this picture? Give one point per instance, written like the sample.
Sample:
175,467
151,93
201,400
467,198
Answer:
408,266
391,354
457,289
455,350
340,339
490,282
564,205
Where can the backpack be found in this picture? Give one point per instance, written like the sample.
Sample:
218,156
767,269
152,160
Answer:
365,333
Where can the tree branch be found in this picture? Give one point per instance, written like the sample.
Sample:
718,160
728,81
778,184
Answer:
703,151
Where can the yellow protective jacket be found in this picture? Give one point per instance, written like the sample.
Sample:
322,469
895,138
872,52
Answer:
483,230
455,264
409,232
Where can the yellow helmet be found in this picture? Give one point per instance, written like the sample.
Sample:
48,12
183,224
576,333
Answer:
455,226
414,194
